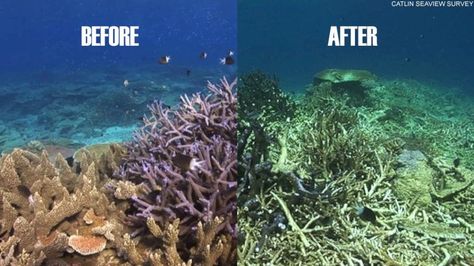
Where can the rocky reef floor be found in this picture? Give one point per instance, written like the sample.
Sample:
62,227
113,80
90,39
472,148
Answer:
89,106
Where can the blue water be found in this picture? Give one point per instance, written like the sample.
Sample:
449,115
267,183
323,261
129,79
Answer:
47,34
56,91
289,39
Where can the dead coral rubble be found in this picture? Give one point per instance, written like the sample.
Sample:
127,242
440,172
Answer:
336,156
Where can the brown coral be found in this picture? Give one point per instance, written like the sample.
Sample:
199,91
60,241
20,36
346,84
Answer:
48,209
87,245
208,249
41,204
91,218
106,156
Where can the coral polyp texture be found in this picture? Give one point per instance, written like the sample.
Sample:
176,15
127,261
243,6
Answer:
182,164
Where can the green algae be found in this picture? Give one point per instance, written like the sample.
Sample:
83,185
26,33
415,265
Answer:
436,230
414,182
343,75
352,151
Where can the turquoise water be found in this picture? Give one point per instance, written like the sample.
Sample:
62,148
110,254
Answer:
409,97
55,91
289,39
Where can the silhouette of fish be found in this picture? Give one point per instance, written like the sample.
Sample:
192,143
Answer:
228,60
366,214
165,59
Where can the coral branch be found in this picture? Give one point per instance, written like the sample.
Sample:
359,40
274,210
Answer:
185,159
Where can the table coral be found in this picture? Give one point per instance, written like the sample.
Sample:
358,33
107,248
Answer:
342,75
87,245
414,180
350,82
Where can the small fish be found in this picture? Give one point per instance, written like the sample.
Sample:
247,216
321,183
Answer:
165,59
456,162
366,214
203,55
185,162
126,83
188,72
228,60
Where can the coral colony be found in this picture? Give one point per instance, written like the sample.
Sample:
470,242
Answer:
166,198
185,161
358,171
355,171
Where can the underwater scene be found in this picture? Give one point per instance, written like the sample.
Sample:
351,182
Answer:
355,155
118,155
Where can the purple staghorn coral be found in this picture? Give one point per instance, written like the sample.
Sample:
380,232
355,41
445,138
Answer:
185,161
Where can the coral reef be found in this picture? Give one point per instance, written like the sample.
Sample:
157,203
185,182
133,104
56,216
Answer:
59,212
42,205
353,83
86,106
260,94
183,164
304,187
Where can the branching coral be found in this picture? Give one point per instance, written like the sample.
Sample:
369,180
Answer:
209,250
180,183
260,95
335,156
38,211
182,164
42,220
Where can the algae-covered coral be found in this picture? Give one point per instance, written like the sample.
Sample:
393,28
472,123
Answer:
93,209
260,94
381,177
